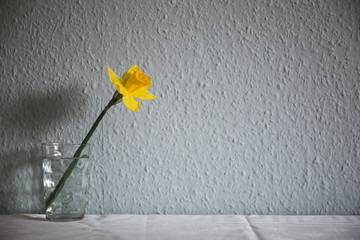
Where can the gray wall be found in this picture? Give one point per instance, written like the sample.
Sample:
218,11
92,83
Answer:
258,109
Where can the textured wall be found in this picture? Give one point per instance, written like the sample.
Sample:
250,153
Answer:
258,109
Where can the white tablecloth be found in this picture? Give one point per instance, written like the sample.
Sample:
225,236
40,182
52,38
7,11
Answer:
173,227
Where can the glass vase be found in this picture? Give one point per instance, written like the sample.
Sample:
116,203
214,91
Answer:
71,201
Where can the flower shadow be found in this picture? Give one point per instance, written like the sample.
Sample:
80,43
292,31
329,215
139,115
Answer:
25,124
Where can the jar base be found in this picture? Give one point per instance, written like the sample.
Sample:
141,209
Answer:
64,217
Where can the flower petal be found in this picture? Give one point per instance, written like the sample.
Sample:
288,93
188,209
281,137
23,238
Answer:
126,75
116,81
148,83
137,80
142,93
130,102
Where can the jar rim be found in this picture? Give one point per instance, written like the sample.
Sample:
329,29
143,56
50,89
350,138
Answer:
63,143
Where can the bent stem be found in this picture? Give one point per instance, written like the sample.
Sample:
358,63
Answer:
53,195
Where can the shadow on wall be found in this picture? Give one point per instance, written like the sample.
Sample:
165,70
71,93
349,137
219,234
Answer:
42,112
21,182
25,122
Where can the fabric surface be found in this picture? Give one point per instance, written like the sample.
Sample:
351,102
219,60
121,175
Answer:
34,226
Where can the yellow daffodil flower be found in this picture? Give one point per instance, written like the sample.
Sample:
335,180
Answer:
134,83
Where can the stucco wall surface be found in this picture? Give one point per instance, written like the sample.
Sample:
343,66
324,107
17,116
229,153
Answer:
257,112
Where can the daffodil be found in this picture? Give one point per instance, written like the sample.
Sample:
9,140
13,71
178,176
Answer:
134,83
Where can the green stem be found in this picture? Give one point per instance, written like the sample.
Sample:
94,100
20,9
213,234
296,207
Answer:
53,195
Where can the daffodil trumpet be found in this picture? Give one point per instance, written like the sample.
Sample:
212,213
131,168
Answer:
134,83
